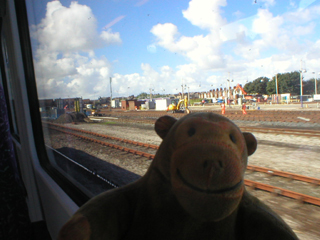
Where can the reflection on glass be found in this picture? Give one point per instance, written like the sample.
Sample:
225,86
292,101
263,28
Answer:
8,74
89,56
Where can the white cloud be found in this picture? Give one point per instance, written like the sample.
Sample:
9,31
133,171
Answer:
68,66
205,14
302,16
90,78
110,37
166,72
165,80
263,44
286,33
201,50
268,3
253,36
238,14
314,52
272,32
65,62
304,30
166,34
150,75
77,22
267,26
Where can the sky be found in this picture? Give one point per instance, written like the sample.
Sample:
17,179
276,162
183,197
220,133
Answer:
160,45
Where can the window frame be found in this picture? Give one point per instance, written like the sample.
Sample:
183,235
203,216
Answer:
14,129
76,194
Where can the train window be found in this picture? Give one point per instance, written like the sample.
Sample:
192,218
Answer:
106,70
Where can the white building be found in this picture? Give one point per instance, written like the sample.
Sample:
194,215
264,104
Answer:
162,104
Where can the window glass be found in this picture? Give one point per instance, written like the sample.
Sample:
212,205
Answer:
114,67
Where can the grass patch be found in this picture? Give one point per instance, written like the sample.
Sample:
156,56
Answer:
109,123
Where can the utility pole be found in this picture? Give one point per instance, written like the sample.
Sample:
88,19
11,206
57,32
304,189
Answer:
315,82
277,87
188,96
301,83
182,90
110,94
150,94
228,88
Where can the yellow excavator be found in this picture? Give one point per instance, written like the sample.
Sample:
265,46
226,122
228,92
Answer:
96,112
180,107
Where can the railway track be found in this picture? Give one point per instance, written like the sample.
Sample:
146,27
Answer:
251,184
286,131
150,119
231,113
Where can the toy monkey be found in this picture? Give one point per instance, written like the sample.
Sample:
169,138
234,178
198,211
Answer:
194,189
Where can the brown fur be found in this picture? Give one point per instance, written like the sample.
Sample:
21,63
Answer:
193,189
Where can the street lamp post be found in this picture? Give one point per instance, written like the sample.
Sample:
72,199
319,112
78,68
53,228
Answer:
315,85
301,86
301,82
228,90
151,93
183,87
315,82
110,94
277,92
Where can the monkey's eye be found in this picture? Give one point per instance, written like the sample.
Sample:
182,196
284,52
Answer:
233,139
191,131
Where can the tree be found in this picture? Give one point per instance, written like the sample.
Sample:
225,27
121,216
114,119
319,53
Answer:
145,95
258,86
271,87
309,87
142,95
249,87
158,95
287,83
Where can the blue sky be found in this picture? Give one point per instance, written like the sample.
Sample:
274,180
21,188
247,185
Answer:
161,44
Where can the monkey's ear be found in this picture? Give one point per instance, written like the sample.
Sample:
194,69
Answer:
163,125
251,142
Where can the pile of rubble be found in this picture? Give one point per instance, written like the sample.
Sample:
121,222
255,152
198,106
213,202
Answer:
70,117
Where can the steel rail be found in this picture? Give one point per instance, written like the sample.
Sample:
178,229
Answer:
283,192
273,172
279,173
269,116
252,184
284,131
108,137
297,132
129,150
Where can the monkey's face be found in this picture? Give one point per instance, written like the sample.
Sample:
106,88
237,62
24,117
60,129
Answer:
207,166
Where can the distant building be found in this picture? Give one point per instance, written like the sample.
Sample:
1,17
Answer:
43,103
115,103
162,104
